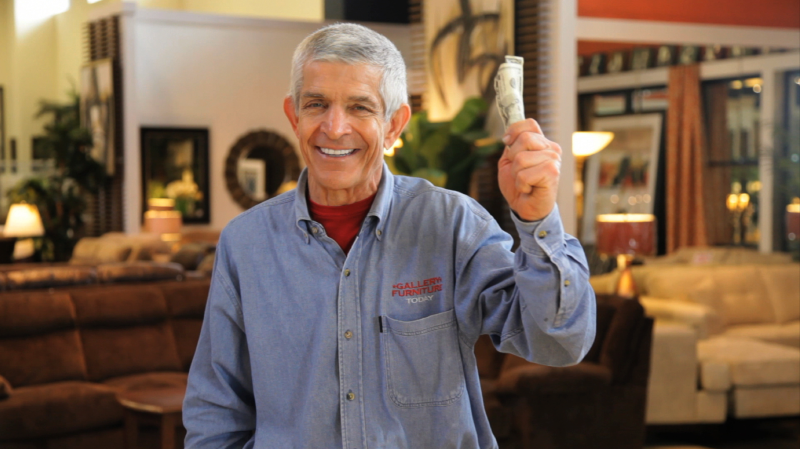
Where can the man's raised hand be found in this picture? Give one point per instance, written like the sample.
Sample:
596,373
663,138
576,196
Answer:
529,169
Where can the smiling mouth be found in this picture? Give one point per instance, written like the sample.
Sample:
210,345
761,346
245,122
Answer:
337,153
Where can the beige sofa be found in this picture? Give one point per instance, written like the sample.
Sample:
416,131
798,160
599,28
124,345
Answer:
726,339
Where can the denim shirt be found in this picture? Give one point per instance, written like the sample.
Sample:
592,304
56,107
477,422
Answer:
304,346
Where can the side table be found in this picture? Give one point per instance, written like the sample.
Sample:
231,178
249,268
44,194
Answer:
161,407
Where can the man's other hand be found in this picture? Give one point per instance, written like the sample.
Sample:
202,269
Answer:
529,169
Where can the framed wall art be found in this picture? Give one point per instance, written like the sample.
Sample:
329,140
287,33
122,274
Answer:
97,109
622,177
175,165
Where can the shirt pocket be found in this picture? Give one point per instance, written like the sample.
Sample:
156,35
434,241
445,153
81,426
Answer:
423,360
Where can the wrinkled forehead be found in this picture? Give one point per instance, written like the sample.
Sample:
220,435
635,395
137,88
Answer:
325,78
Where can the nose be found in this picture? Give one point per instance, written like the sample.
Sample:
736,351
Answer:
335,124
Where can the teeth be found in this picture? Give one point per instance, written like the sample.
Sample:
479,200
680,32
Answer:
332,152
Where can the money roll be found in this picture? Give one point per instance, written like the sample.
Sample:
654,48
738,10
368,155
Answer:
508,88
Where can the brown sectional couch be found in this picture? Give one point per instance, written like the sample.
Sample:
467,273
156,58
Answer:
65,352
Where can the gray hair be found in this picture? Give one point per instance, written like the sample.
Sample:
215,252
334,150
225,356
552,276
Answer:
353,44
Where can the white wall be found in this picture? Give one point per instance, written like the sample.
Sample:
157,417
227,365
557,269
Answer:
227,74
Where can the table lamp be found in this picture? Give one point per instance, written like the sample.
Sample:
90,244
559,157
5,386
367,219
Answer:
163,219
626,236
23,223
585,144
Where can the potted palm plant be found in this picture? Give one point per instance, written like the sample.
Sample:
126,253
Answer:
446,153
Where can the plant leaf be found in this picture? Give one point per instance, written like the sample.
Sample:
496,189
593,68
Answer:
472,111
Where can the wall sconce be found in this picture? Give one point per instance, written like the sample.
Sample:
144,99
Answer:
737,203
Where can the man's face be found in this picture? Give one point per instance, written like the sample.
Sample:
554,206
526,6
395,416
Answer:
341,130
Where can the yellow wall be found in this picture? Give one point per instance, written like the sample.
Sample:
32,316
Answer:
307,10
310,10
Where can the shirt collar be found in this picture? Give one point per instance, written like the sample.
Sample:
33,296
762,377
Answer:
379,209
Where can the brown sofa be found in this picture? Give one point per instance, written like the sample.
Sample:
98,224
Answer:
66,351
596,404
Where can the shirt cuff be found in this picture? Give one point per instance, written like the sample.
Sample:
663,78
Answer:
541,237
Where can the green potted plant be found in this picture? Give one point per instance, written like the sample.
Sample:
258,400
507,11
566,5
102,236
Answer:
446,153
61,195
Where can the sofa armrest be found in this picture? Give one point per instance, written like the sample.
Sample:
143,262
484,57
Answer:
5,388
704,320
605,284
533,378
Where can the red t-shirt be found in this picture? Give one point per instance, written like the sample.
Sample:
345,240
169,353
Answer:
342,223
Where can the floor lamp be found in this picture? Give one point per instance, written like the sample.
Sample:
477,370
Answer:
585,144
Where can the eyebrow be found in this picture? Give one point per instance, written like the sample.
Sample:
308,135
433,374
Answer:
357,98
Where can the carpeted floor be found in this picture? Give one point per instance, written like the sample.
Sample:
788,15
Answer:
775,433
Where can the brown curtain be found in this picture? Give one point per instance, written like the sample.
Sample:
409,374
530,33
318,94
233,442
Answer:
686,220
718,178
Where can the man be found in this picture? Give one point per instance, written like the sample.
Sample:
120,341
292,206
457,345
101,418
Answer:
322,333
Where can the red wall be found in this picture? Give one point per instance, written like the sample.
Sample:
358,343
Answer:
766,13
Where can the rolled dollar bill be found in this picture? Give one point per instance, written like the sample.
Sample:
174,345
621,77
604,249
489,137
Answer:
508,88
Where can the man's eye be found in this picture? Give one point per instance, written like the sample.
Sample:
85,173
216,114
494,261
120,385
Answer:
315,104
359,107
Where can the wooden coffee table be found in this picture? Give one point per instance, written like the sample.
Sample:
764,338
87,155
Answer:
161,407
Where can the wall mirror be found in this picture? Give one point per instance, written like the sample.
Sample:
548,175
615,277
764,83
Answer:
260,165
175,165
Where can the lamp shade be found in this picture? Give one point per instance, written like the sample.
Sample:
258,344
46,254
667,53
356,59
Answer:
633,234
23,221
793,221
160,204
163,221
590,142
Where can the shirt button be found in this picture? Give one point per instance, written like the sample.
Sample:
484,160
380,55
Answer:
348,335
566,283
347,272
351,396
314,230
379,232
542,234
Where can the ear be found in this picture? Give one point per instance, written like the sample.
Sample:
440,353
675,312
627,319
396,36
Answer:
396,125
288,109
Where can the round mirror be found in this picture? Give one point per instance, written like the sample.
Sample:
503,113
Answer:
260,165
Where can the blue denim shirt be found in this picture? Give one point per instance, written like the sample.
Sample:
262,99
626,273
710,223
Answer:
303,346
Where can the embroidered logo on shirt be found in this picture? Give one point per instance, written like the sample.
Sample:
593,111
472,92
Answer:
417,291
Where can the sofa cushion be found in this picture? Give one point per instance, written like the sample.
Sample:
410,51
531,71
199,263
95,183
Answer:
147,381
49,276
743,295
688,283
99,250
139,271
186,299
782,284
124,330
57,408
191,254
31,313
38,339
119,305
783,334
128,350
751,362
